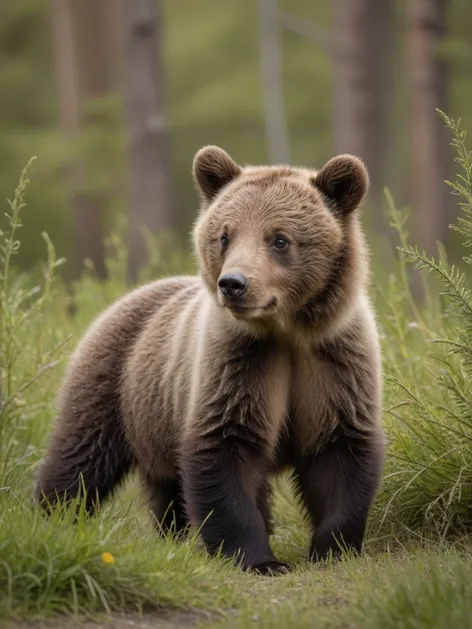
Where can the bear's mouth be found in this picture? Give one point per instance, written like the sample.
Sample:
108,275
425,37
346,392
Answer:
251,312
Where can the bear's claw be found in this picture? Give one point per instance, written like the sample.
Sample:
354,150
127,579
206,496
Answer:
272,568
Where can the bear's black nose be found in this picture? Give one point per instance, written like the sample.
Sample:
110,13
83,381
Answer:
233,284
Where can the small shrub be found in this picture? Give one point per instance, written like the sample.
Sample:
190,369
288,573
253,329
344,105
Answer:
428,487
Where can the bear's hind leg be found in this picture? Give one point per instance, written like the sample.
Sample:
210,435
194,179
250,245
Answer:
165,499
96,458
264,498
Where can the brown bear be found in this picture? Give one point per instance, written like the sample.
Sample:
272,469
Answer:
267,360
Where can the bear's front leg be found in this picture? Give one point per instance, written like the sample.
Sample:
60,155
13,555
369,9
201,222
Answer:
338,486
222,479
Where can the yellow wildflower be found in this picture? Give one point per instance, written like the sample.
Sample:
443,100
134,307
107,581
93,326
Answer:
108,558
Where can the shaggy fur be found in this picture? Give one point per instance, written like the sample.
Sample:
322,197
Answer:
269,359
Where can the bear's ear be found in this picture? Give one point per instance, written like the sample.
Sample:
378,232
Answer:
344,181
213,168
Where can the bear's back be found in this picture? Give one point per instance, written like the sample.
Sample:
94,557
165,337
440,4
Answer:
93,376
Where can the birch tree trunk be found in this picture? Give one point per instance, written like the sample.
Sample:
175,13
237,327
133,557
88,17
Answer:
362,88
430,152
278,144
84,49
148,137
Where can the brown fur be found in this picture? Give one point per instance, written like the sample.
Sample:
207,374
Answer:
209,393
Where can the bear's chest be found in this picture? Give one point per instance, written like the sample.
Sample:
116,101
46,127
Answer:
313,413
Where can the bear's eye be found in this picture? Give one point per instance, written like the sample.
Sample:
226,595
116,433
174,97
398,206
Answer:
280,242
224,241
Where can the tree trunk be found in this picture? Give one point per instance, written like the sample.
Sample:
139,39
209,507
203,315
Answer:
430,151
363,80
84,44
271,74
148,138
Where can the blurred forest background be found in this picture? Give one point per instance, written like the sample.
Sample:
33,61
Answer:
115,97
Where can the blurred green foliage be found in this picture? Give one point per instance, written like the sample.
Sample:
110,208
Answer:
213,95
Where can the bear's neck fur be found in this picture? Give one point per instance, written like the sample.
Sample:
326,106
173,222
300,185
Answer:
331,308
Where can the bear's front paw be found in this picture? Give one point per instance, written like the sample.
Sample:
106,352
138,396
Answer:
272,568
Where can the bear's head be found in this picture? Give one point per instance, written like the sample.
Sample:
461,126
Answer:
280,245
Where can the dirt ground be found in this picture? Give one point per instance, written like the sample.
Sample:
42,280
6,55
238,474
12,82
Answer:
174,620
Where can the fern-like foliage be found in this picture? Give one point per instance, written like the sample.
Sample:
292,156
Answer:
428,485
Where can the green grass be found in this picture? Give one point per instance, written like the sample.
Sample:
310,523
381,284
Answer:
418,561
54,566
420,590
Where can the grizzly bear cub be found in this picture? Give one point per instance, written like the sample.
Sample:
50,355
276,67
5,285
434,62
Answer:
267,360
